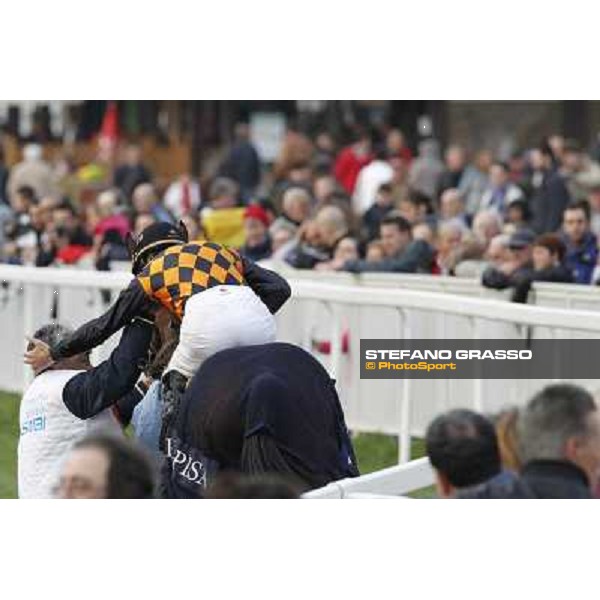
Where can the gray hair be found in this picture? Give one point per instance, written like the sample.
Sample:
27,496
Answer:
553,416
52,333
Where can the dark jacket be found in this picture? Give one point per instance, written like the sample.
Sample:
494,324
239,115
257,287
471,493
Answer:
540,479
548,203
259,252
558,274
416,258
519,280
371,220
133,301
112,382
581,259
265,408
243,165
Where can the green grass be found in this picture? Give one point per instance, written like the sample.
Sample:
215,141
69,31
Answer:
9,435
373,451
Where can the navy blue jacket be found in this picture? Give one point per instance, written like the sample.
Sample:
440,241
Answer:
581,259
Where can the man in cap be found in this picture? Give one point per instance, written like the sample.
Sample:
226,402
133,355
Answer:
516,268
70,398
218,298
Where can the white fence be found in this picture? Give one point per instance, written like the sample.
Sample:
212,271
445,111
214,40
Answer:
324,310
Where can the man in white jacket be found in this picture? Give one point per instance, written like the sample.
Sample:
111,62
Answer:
370,179
67,401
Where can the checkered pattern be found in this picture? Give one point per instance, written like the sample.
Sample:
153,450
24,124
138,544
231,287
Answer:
182,271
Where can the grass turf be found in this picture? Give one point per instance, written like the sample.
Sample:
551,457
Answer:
373,451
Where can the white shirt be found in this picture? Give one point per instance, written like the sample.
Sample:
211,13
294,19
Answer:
369,179
48,430
174,198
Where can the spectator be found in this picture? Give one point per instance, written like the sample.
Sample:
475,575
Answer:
375,251
384,204
498,252
183,197
296,205
452,209
296,149
402,253
352,159
68,399
396,146
110,215
324,189
463,450
324,156
581,244
518,215
131,173
578,170
547,257
461,176
33,172
506,432
500,192
550,194
559,445
107,467
256,230
593,199
242,163
345,250
370,178
426,170
516,269
416,208
449,238
146,201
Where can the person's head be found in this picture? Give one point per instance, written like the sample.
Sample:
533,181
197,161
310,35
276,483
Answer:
324,187
414,207
593,197
556,143
223,193
375,251
561,422
144,198
296,204
106,466
571,157
542,158
32,152
506,432
237,486
497,250
40,216
107,202
241,131
54,333
520,245
395,141
385,195
23,199
256,224
456,158
325,142
430,149
451,204
362,143
280,236
449,237
548,251
152,241
65,217
463,449
576,221
487,224
395,234
300,174
499,174
346,249
517,212
423,231
332,225
132,155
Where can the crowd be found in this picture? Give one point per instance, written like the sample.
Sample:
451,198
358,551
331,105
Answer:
371,205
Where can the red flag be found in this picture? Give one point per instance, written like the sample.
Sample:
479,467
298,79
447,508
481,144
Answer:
109,130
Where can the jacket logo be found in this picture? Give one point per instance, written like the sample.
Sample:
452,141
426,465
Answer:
186,463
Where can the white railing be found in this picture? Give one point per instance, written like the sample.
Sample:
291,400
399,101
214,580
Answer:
394,481
324,311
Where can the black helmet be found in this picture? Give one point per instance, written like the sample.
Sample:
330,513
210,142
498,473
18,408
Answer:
153,240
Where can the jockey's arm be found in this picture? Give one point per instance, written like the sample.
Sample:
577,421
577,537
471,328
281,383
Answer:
131,302
270,287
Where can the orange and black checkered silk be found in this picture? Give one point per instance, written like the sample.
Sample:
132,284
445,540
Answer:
184,270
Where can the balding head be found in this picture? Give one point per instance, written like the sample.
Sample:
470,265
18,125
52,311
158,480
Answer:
332,224
486,225
144,198
451,204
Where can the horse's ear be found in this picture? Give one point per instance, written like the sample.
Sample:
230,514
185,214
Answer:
184,231
130,244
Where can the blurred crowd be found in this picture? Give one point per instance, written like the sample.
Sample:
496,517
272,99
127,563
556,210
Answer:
372,204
